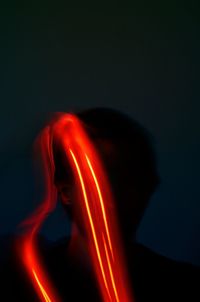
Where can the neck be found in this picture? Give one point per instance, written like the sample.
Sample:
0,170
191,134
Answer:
78,250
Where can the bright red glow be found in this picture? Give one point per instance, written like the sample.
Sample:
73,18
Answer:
27,245
95,205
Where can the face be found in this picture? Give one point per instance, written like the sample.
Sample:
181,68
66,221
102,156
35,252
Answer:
125,196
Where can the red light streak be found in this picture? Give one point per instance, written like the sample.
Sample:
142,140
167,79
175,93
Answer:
27,245
111,272
101,226
45,295
101,201
91,221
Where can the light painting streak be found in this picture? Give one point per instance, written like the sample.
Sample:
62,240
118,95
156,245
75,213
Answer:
101,201
69,133
46,297
111,272
90,218
27,244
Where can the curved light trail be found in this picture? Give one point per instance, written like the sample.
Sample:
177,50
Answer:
94,205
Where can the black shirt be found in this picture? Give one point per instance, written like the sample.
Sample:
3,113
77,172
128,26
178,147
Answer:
153,277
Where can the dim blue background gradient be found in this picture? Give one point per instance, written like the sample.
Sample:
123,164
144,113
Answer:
142,59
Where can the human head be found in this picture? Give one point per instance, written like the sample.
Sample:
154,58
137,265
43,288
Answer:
128,157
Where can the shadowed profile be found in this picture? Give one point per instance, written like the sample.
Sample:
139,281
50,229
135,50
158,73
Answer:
126,151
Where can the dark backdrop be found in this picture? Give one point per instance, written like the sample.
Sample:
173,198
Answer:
142,59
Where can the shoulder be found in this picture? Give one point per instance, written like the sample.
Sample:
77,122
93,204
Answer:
159,274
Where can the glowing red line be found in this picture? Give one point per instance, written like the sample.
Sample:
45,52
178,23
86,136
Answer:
74,140
90,218
101,202
44,293
27,244
106,225
111,272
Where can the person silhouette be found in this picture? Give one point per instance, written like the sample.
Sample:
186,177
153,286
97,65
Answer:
126,149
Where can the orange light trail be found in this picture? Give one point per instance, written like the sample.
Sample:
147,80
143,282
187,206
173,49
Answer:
46,297
111,272
90,218
101,227
101,201
27,244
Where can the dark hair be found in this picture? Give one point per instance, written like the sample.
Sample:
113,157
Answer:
133,141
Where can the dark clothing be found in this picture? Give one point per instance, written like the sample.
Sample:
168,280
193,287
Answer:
153,277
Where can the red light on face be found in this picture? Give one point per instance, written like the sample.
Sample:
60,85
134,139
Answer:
93,205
